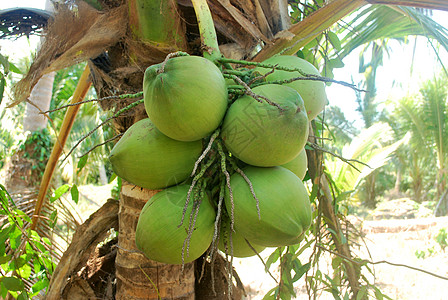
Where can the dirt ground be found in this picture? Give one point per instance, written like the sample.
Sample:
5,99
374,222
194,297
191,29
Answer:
396,231
395,239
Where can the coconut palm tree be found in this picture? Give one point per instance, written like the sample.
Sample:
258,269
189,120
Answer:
122,38
425,115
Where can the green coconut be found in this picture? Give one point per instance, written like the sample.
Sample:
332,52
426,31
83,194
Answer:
147,158
158,235
285,210
312,91
186,98
239,245
298,165
262,135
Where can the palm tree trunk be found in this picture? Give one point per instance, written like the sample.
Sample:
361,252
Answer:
370,190
137,276
152,22
40,100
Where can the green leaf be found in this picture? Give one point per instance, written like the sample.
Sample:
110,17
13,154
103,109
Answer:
311,44
13,283
335,63
271,294
81,163
24,215
2,88
23,296
362,293
301,271
3,290
112,177
272,258
378,294
53,218
19,262
4,233
5,259
75,193
59,192
5,63
15,238
25,271
334,40
40,285
14,68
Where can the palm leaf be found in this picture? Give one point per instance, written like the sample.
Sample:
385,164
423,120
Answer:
435,109
383,22
372,146
425,4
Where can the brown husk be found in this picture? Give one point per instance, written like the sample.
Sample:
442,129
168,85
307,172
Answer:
73,36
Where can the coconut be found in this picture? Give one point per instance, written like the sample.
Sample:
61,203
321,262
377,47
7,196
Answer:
186,97
312,91
263,135
298,165
158,234
147,158
239,246
285,209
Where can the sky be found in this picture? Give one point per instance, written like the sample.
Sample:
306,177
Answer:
394,78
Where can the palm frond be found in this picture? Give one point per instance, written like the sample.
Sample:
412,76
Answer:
372,146
383,22
435,110
407,109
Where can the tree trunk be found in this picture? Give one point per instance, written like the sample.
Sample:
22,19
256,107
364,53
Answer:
370,193
137,276
398,181
40,100
442,205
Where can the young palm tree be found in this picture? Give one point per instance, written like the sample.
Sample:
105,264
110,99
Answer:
425,116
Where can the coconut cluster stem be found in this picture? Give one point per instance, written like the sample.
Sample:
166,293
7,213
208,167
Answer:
305,76
218,217
249,183
207,31
130,106
227,175
237,73
169,56
206,151
196,179
115,97
259,98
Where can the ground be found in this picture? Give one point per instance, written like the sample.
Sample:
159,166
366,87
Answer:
396,231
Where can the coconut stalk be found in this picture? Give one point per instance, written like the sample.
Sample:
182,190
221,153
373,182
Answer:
209,41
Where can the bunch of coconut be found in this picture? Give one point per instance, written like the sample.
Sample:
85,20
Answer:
264,131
